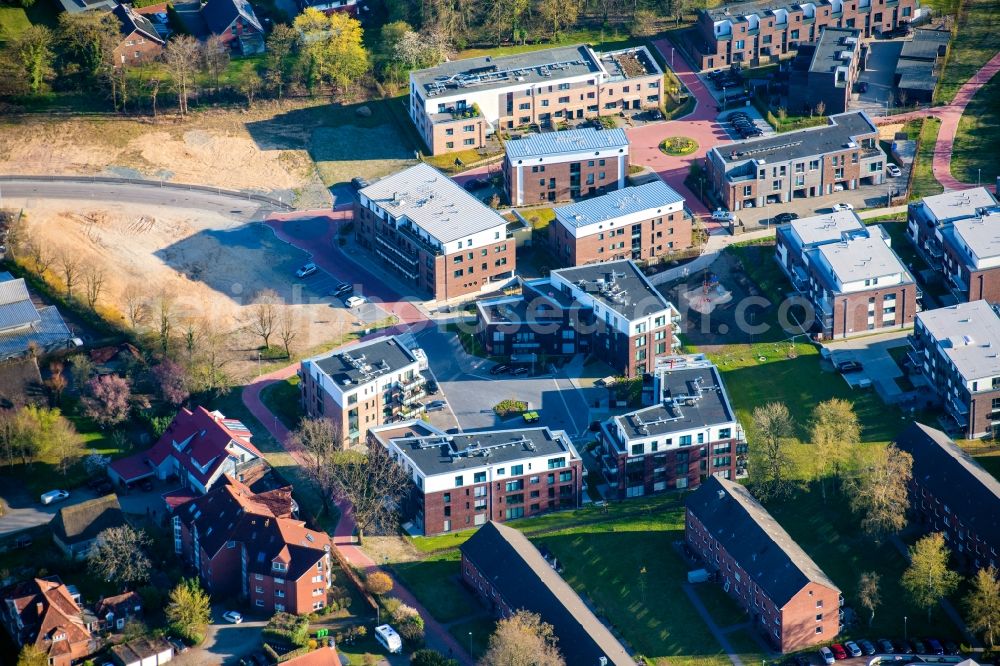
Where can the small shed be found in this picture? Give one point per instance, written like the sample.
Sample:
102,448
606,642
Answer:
143,652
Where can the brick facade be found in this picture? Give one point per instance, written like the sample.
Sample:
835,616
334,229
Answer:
136,49
654,237
577,176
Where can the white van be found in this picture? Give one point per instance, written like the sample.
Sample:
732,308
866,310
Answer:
389,639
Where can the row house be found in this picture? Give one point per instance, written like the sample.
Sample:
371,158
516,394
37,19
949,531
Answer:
48,614
610,310
848,272
787,596
594,231
464,480
139,42
842,155
458,104
557,166
825,71
330,6
433,235
689,431
199,447
950,493
760,32
954,354
509,574
236,23
958,234
247,545
363,386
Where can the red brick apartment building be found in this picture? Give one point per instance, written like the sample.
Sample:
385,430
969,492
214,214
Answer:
594,231
811,162
689,431
954,350
825,71
849,273
48,614
756,33
610,310
140,43
434,235
951,493
467,479
958,234
558,166
788,597
248,545
459,104
509,574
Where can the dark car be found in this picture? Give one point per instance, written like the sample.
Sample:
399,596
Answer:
519,371
802,660
785,218
863,87
919,647
885,646
656,114
867,647
435,406
359,183
951,648
342,289
499,369
934,646
431,387
838,651
845,367
477,184
902,647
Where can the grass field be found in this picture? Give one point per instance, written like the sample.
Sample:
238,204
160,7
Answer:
977,141
282,398
13,21
974,44
601,39
924,183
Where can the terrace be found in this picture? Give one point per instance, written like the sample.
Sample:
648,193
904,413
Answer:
629,64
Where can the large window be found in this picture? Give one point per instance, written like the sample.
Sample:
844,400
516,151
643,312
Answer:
555,463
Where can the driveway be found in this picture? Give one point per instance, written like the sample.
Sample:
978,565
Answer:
869,196
872,351
879,76
225,643
24,511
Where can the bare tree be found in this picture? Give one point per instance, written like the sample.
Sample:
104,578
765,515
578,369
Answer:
136,307
215,56
374,485
834,432
119,555
322,439
869,595
154,90
820,108
208,368
69,264
772,426
249,83
263,315
165,314
523,638
93,280
880,492
287,331
40,256
181,59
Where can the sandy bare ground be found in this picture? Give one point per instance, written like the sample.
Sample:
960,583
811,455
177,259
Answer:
210,265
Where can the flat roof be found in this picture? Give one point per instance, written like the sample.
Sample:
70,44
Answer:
626,201
619,285
433,202
446,454
803,143
488,72
365,362
826,228
980,234
566,141
861,258
969,334
689,398
916,74
925,45
956,204
830,46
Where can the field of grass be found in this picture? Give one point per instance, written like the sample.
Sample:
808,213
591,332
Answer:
974,44
13,21
924,183
602,39
480,628
282,398
977,141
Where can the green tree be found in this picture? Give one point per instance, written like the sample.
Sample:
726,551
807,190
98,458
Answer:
428,657
880,492
89,40
279,63
332,48
643,23
31,655
558,14
33,52
928,578
42,432
834,431
982,605
249,83
189,610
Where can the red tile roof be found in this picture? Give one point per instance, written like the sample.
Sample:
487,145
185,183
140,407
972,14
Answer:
47,610
324,656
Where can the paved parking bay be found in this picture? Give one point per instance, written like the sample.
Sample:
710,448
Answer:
321,285
879,76
872,351
755,118
870,196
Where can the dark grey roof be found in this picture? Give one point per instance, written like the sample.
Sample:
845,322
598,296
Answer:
619,285
842,129
690,398
84,521
925,45
139,649
50,334
735,11
915,74
830,47
220,14
526,581
952,476
754,539
131,21
362,363
443,454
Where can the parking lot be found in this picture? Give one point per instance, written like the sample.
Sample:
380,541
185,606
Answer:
756,125
324,287
878,76
871,196
878,366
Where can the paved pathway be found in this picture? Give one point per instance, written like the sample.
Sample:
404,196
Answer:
949,114
712,626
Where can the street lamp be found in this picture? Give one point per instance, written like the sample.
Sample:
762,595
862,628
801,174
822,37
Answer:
671,57
258,364
904,628
979,175
470,643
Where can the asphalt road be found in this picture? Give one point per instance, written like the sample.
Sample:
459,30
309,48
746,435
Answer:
28,190
25,511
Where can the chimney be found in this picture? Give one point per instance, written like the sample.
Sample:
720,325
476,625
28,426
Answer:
40,609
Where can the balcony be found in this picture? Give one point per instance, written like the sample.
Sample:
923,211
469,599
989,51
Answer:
407,229
397,253
405,383
408,400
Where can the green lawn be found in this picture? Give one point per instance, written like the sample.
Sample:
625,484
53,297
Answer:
282,398
977,142
602,39
923,182
974,44
481,629
13,21
435,581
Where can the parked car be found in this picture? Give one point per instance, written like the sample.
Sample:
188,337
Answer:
388,638
656,114
893,171
355,301
54,496
435,406
359,183
842,206
430,386
951,648
919,647
785,218
306,270
476,184
720,215
866,646
846,367
838,651
519,371
934,646
232,617
826,654
885,646
342,289
852,648
499,369
902,647
802,660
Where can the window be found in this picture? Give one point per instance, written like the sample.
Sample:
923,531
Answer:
479,477
747,190
516,512
516,470
725,433
555,463
685,440
565,476
469,142
278,566
515,485
459,481
447,498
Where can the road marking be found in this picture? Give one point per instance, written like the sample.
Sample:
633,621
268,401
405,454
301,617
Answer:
563,398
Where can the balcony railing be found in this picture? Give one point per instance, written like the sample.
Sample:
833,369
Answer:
399,254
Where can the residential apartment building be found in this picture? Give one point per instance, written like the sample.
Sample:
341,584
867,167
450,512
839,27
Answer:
49,615
510,574
433,234
610,310
199,447
958,234
689,431
464,480
955,349
849,273
558,166
824,72
812,162
363,386
594,231
248,545
757,33
952,494
787,596
458,104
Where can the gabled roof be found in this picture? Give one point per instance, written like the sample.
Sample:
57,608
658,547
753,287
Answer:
84,521
131,21
121,605
324,656
526,581
950,474
16,308
220,14
141,649
47,608
754,538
